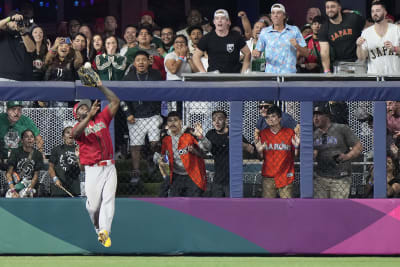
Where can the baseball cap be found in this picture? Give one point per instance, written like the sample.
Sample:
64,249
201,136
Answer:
266,103
147,12
278,7
11,104
321,109
221,12
86,102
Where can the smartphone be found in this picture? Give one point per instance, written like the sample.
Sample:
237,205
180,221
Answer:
67,40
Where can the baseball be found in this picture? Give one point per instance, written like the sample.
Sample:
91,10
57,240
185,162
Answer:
87,65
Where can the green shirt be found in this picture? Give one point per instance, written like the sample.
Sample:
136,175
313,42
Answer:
10,136
110,68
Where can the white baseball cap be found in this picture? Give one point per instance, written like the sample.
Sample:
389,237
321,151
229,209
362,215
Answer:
278,7
221,12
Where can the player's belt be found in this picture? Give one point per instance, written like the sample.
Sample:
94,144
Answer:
104,163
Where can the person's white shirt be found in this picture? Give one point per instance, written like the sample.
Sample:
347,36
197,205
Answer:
380,60
184,68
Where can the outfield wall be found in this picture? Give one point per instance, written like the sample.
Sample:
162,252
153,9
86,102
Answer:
215,226
204,226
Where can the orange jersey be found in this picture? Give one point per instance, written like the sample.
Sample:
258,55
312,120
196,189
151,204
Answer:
194,165
278,156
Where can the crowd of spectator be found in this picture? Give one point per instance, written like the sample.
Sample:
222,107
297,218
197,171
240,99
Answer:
147,52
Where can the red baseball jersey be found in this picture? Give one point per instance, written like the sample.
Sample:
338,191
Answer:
278,156
95,142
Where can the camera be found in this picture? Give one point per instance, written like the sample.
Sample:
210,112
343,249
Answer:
25,22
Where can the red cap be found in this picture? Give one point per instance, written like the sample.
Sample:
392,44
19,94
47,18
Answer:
86,102
388,16
147,12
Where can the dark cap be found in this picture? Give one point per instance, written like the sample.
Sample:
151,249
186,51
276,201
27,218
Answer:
321,109
11,104
265,102
86,102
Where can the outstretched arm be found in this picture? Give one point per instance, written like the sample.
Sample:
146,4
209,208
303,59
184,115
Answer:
111,97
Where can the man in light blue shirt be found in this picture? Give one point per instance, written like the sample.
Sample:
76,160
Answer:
281,43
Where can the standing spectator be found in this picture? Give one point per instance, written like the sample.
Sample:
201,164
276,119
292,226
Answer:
73,27
96,48
111,65
15,48
193,19
62,61
216,141
143,117
25,163
286,120
87,31
187,167
179,61
64,167
277,146
338,35
313,62
40,53
110,28
392,177
335,145
13,124
380,43
79,43
281,43
393,118
167,38
144,39
130,43
223,48
195,35
312,12
257,64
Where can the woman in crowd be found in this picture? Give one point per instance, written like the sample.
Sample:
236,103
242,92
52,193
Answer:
111,65
40,53
179,61
79,43
96,48
62,61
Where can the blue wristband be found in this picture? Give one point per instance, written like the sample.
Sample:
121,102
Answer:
55,179
10,182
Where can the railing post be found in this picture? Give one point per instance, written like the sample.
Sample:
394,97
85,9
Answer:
306,149
235,149
380,149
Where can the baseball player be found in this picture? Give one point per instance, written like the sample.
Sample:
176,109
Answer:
96,155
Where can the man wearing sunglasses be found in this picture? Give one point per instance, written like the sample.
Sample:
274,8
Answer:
335,145
287,121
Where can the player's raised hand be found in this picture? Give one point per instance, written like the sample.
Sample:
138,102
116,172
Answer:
94,108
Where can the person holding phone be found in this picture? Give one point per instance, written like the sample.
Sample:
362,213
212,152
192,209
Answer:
62,61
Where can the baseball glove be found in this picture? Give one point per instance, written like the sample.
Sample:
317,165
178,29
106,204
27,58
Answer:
88,76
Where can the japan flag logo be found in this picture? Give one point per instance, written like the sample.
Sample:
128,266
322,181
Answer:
230,47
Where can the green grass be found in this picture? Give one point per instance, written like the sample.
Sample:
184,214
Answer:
186,261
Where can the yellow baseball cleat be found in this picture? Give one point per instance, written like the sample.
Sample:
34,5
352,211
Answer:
104,239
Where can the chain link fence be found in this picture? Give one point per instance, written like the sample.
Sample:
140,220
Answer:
135,146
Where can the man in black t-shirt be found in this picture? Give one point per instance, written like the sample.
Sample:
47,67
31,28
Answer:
216,141
15,46
64,167
223,48
338,35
